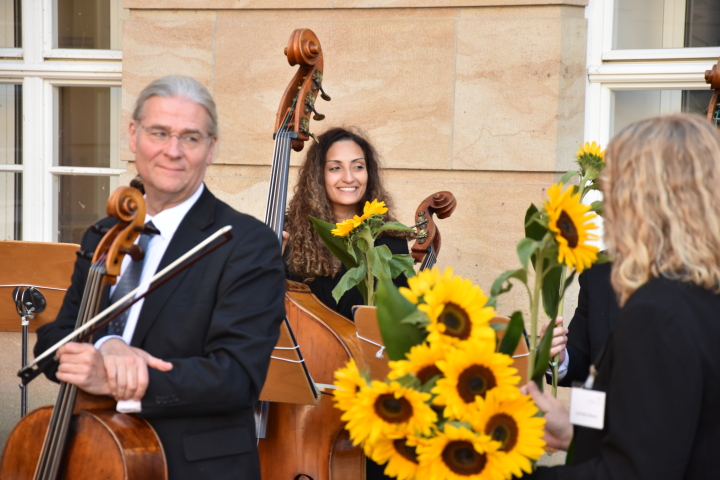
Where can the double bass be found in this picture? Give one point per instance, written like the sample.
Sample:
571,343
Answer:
84,437
304,442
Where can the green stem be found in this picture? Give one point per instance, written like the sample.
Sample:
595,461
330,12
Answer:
369,277
556,358
534,307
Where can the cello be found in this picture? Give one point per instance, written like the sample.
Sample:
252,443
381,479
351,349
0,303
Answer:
307,441
84,437
712,77
427,243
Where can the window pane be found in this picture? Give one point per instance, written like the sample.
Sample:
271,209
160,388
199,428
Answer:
666,23
10,154
85,136
10,24
81,202
83,23
10,206
633,105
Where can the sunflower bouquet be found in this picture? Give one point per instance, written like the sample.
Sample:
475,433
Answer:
450,407
557,241
353,243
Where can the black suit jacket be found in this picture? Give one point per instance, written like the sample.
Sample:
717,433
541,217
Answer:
217,323
662,377
592,323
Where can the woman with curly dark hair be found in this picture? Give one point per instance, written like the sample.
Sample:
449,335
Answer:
339,174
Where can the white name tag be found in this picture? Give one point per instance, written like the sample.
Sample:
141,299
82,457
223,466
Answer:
587,408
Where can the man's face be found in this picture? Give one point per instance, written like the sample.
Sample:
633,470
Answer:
171,169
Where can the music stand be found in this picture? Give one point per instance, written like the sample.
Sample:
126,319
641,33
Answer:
47,267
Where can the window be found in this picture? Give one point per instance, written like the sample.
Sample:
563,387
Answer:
60,76
647,57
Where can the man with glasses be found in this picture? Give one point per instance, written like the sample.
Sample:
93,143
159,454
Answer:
192,357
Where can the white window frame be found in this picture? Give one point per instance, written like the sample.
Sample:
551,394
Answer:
41,69
611,70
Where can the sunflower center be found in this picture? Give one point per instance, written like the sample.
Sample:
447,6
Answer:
460,457
456,321
503,428
393,410
426,373
475,380
567,229
405,450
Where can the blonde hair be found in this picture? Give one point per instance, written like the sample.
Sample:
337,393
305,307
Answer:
662,203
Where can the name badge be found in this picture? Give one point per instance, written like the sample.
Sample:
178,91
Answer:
587,408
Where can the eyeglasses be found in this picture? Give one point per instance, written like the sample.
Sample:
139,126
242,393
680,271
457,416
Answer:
188,141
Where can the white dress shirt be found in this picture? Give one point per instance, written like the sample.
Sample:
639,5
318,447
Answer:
167,222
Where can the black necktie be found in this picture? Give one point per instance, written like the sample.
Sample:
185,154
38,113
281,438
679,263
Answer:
129,281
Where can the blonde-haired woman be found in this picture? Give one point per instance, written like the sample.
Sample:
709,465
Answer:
661,367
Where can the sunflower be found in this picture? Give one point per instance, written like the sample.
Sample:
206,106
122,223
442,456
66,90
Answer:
590,149
512,422
421,362
399,453
456,310
388,410
471,370
423,282
458,453
348,381
344,228
571,222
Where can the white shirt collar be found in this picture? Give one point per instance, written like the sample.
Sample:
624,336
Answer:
169,220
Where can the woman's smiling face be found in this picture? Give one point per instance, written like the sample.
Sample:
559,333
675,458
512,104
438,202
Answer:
346,175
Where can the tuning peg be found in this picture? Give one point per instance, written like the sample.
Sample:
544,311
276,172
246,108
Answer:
312,135
85,254
147,229
136,252
317,116
99,229
324,95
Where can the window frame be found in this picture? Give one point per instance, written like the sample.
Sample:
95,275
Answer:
611,70
42,69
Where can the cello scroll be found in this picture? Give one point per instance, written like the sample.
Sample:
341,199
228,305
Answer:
428,242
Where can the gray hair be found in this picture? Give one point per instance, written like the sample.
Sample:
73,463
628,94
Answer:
178,86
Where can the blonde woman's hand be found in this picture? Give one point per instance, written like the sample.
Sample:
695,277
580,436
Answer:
558,429
559,340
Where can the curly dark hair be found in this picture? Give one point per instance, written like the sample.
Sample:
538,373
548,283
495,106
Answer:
308,257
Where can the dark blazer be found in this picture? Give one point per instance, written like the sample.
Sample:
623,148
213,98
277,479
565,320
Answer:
217,322
662,377
592,323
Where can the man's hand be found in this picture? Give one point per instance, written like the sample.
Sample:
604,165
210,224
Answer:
82,365
558,429
126,369
559,340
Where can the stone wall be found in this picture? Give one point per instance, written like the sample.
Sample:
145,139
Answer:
484,98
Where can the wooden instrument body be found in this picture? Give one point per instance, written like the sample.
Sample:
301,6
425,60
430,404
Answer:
104,444
311,439
100,443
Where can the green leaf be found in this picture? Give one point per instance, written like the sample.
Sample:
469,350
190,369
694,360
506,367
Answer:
362,245
402,263
378,258
400,227
597,207
601,258
418,318
430,384
351,278
513,334
525,249
542,358
336,245
551,291
533,229
409,381
502,284
392,307
568,176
